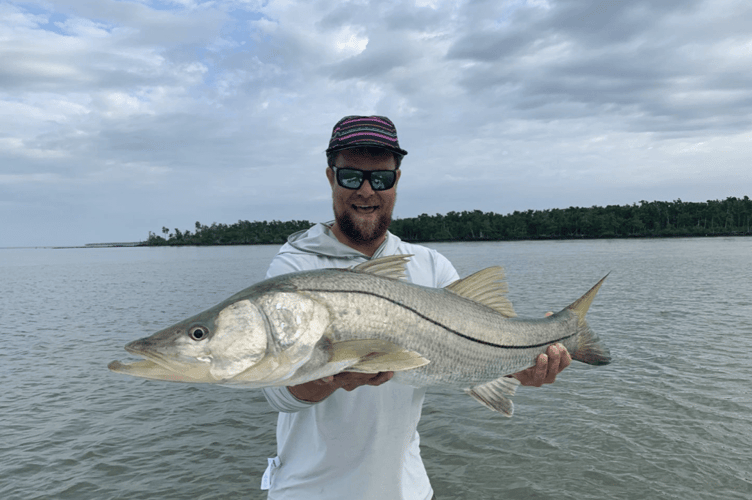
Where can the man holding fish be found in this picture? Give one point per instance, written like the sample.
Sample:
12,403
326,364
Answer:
349,305
361,442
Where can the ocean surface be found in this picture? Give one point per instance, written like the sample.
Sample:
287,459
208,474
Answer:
670,418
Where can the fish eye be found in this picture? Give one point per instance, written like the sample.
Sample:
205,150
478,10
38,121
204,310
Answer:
198,332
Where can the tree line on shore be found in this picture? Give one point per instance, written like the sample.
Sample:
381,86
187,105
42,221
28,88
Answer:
732,216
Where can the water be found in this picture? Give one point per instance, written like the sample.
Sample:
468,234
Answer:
670,418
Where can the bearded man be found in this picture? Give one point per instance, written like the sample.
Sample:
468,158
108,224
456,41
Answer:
360,443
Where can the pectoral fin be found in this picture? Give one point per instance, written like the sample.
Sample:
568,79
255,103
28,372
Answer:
375,355
495,394
390,362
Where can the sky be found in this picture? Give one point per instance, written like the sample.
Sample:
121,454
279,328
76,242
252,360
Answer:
118,118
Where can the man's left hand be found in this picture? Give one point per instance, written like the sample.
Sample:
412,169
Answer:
546,368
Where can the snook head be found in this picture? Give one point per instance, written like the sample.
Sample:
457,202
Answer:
252,339
210,347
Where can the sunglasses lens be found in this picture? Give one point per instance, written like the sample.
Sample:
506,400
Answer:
349,178
382,179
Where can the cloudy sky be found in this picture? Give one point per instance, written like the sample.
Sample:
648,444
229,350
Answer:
120,117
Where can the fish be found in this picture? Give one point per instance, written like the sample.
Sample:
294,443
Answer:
307,325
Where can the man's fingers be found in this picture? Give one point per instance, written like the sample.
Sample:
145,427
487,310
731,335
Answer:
380,378
540,370
547,366
350,381
565,358
552,370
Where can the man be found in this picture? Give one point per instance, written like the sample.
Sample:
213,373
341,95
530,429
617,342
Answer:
360,443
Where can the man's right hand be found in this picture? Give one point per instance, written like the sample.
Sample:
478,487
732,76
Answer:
319,390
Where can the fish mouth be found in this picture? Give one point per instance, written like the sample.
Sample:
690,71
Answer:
141,348
129,368
154,366
150,370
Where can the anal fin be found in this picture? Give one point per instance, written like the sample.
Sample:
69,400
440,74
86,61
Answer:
496,394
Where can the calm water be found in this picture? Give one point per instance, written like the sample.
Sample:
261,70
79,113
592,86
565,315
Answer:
671,418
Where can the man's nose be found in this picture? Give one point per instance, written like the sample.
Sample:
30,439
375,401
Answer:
365,189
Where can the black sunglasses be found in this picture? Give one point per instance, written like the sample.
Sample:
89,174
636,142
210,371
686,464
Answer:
351,178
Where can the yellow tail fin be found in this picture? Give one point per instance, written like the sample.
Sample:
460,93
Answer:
589,349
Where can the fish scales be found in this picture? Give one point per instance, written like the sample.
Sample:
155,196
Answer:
467,342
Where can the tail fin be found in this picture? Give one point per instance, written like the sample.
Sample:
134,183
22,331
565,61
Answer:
589,349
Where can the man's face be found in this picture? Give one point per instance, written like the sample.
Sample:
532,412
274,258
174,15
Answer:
363,215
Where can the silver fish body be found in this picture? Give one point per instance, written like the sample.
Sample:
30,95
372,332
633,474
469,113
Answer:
307,325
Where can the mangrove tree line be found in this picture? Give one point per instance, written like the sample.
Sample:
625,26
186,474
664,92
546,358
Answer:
732,216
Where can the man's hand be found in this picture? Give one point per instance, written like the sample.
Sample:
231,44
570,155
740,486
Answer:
350,380
318,390
546,368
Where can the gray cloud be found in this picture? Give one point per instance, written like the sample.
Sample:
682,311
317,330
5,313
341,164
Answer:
658,66
118,117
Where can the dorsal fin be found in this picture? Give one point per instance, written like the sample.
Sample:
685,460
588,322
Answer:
389,267
487,287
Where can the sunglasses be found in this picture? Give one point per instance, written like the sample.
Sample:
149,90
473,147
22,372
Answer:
351,178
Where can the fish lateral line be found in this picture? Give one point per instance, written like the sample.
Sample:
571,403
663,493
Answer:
430,320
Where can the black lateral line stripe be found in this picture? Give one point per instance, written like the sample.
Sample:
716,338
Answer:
430,320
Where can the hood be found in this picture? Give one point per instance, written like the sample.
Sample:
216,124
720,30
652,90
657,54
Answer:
320,240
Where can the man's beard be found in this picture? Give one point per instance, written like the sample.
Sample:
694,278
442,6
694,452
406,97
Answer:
360,231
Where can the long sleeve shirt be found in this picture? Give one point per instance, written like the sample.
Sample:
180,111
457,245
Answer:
360,445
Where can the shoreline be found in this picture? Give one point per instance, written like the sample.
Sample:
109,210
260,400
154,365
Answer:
144,244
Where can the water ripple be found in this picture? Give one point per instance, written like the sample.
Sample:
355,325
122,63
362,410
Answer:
670,418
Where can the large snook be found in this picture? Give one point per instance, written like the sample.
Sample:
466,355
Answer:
308,325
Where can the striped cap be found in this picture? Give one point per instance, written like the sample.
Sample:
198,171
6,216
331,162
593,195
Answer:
358,131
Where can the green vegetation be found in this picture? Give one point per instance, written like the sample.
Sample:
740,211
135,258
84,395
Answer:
732,216
241,233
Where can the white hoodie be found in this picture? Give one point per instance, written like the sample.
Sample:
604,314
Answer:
359,445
